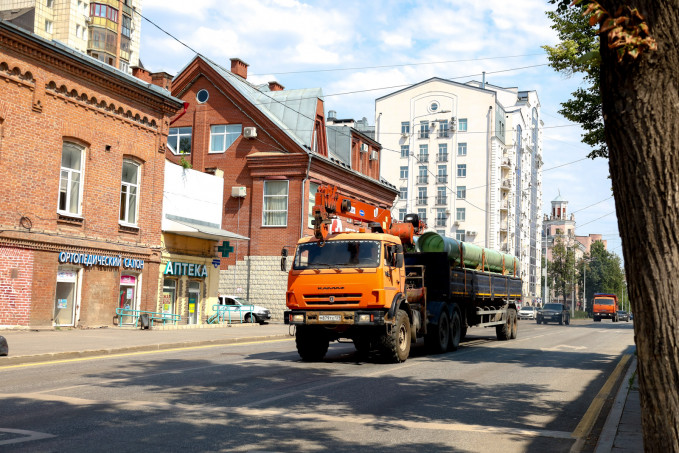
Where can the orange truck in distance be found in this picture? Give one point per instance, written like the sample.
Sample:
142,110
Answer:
605,306
375,288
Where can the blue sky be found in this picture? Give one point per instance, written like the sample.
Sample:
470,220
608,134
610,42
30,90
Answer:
357,51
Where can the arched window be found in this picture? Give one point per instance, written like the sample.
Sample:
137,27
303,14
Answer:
129,193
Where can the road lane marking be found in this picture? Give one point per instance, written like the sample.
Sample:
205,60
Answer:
587,422
26,436
130,354
220,414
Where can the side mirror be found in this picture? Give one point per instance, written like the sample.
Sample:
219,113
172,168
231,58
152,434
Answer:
284,259
399,260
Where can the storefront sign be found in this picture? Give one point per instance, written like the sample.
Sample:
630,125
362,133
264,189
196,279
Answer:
87,259
62,303
128,279
66,276
190,269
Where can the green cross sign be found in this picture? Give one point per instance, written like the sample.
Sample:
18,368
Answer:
225,248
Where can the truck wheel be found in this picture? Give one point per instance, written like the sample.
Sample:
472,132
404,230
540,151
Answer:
503,332
312,343
515,324
396,344
455,331
438,336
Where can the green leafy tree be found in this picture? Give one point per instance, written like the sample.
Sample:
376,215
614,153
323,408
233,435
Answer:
561,268
604,273
639,87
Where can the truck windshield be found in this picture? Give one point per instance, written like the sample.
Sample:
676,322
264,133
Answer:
337,254
604,301
553,307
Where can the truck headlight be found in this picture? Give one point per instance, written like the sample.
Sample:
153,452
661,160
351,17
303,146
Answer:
298,318
364,318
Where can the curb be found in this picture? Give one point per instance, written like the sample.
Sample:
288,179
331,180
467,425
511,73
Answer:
5,361
610,429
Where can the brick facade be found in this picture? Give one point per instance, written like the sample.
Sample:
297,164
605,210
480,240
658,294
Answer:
51,95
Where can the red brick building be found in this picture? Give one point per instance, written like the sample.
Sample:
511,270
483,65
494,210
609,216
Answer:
272,147
82,161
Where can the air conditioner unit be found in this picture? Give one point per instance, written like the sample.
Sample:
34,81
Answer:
456,223
453,124
249,132
471,233
238,192
373,155
404,135
364,148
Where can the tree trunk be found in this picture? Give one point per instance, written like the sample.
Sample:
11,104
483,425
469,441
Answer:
641,115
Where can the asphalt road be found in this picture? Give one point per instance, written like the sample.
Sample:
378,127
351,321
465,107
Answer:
528,394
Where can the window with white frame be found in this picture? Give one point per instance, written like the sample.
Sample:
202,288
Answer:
313,188
461,149
405,150
424,153
460,214
223,135
461,192
424,129
422,214
442,176
403,172
50,3
129,192
403,193
48,26
443,153
179,140
459,235
441,217
71,183
462,170
401,214
405,127
421,195
275,208
462,125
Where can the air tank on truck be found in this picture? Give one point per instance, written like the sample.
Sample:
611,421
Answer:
382,290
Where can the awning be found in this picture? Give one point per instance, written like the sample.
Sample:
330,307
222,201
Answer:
197,229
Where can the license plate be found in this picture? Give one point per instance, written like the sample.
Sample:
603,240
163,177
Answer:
329,318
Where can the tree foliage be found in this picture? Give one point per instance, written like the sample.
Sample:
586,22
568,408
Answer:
602,272
561,269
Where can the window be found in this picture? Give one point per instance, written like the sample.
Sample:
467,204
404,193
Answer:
70,186
421,196
313,188
441,232
461,149
403,193
405,150
462,125
434,106
441,217
223,136
48,26
127,26
441,195
424,129
424,153
275,209
443,153
442,177
401,214
461,192
459,235
129,191
422,214
179,140
50,3
443,129
462,171
422,176
460,214
405,128
403,173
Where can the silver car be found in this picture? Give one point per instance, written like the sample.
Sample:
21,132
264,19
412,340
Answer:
249,313
527,313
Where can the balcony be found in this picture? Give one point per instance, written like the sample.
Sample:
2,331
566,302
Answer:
442,179
441,200
505,205
506,184
423,134
505,163
423,158
442,157
421,201
441,222
444,133
423,179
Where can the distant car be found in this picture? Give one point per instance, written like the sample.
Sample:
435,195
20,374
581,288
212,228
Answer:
553,313
527,312
623,315
254,314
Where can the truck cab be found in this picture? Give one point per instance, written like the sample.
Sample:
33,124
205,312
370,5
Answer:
605,306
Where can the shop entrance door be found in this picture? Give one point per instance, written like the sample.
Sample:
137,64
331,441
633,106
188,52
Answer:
194,302
169,295
66,295
128,290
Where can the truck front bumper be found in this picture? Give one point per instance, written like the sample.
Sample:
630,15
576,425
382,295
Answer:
335,317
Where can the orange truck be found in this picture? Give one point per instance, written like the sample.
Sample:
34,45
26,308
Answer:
605,306
373,287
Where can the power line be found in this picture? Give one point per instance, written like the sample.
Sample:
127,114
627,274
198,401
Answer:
587,207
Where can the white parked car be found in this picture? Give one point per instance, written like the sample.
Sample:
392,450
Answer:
527,313
250,313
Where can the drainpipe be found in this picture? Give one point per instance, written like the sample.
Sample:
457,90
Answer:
304,181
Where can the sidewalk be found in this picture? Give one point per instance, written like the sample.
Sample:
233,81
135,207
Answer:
40,345
620,434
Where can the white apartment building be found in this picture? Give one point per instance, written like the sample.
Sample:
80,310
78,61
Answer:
467,158
108,30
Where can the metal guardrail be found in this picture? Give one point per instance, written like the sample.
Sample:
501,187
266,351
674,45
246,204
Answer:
130,317
224,313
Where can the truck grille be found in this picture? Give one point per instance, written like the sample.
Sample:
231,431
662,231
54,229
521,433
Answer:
332,299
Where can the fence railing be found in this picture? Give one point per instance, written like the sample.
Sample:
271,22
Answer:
229,313
130,317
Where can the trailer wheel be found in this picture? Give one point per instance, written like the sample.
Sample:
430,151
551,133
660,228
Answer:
455,330
504,331
438,336
395,345
312,343
515,324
